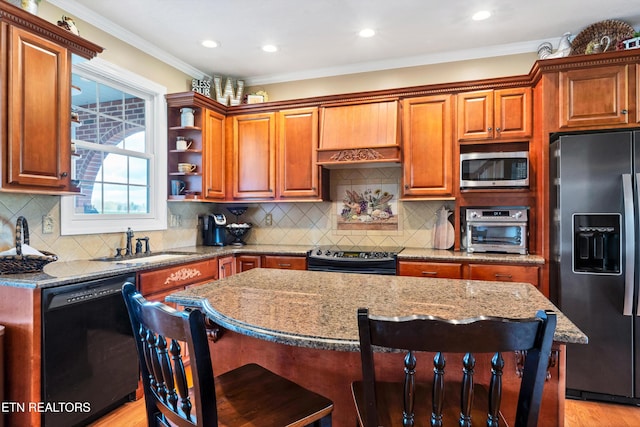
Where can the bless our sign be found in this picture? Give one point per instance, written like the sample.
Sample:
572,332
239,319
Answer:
227,96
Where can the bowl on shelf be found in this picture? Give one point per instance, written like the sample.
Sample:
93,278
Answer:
238,231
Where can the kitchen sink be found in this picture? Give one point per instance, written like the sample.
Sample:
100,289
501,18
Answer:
145,259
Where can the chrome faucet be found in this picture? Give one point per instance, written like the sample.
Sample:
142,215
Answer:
128,249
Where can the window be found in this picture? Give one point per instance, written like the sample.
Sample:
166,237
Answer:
119,152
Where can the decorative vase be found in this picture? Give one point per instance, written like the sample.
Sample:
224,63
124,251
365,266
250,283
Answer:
30,6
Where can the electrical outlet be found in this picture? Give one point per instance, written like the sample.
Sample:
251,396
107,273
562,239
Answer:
47,224
268,219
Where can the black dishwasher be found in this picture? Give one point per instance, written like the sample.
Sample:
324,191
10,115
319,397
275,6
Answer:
89,360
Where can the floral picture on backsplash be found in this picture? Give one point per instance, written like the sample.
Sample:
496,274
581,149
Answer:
365,208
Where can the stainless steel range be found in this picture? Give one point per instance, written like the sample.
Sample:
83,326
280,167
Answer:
359,259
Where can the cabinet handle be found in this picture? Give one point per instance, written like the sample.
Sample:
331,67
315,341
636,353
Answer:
624,111
503,276
64,174
430,273
284,265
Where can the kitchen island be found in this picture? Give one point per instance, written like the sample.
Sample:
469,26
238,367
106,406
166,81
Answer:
302,324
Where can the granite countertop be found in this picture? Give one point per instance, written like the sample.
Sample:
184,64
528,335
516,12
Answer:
318,309
68,272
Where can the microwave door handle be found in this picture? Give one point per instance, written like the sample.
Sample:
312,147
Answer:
629,247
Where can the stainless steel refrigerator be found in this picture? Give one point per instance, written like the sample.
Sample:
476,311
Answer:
594,190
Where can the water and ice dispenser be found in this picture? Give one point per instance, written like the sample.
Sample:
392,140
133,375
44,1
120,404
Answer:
596,243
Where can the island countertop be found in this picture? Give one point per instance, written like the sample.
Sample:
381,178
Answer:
318,309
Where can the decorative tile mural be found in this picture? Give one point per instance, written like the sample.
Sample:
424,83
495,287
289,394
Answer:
367,209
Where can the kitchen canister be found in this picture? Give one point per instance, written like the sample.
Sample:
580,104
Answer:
186,117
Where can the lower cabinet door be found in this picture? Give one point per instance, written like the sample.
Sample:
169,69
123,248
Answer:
430,269
505,273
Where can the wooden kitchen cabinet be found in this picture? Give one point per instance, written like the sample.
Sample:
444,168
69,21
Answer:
360,131
284,262
214,156
226,266
155,285
253,169
428,146
206,150
247,262
448,270
594,96
495,114
298,171
36,102
505,273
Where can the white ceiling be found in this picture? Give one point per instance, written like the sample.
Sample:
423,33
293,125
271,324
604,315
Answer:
318,38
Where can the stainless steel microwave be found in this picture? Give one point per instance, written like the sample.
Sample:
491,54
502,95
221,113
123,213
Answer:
505,169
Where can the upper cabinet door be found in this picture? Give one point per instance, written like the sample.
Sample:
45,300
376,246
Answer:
254,148
475,115
38,113
297,144
596,96
503,114
214,155
512,113
428,146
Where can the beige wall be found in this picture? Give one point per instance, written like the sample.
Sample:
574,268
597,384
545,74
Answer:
414,76
303,223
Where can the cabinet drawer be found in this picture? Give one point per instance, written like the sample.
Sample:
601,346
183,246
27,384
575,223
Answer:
247,262
285,262
158,281
430,269
504,273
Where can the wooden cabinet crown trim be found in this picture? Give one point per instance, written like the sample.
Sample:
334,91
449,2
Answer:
23,19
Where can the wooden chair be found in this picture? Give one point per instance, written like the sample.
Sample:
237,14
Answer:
247,396
411,402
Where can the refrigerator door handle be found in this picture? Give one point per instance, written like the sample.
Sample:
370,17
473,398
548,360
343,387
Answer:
629,236
637,201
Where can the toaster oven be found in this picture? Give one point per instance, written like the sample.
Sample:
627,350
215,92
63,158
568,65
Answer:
497,230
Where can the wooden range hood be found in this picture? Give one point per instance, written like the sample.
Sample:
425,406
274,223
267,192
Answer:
366,134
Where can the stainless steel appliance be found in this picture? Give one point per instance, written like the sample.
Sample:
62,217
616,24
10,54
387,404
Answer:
214,230
494,169
502,230
594,266
366,260
89,360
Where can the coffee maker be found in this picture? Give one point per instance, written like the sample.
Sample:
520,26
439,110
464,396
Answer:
214,232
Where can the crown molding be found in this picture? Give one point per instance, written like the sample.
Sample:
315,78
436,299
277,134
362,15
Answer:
80,11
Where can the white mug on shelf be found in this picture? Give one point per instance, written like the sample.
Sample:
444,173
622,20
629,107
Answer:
186,167
182,144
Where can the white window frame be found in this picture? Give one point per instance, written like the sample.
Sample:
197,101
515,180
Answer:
156,142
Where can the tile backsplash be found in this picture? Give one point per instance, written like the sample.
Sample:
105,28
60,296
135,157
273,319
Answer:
313,223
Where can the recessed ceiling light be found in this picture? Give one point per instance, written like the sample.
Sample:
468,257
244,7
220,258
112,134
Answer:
210,43
270,48
367,32
481,15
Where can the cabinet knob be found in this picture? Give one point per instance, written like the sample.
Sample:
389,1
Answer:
624,111
489,129
406,186
64,174
498,129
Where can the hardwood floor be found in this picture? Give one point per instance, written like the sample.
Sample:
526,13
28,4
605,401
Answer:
578,414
